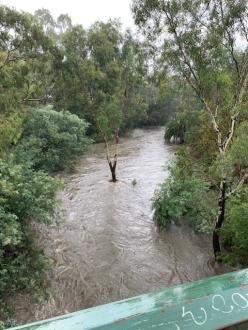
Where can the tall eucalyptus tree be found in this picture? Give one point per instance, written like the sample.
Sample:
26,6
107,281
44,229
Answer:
206,43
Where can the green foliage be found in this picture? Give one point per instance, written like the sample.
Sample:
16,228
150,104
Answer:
182,126
193,128
23,50
48,141
53,29
167,96
203,140
183,197
99,67
25,196
239,148
109,118
10,130
234,234
133,89
22,42
234,163
51,140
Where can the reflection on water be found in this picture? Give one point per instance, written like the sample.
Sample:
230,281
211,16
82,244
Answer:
106,247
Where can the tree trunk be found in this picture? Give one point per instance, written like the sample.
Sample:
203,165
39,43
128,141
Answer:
220,218
113,170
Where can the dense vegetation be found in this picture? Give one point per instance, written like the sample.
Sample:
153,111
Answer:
205,43
50,140
33,143
184,195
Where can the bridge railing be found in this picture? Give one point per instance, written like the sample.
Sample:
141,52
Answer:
219,302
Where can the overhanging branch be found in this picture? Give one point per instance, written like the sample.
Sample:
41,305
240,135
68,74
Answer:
238,186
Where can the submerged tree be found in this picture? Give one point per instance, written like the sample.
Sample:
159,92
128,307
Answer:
101,80
206,43
109,120
112,162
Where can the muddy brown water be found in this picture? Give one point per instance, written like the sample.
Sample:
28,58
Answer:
105,246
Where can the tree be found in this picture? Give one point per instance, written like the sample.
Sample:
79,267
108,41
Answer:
171,94
109,120
100,80
44,139
23,48
88,81
51,141
134,72
44,18
99,64
201,45
179,128
104,41
64,23
52,28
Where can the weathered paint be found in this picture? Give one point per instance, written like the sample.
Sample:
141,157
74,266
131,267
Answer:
213,303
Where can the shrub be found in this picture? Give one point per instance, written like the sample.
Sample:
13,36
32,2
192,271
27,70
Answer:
181,126
183,196
51,140
25,196
234,233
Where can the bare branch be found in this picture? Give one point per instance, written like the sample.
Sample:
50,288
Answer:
105,141
230,132
32,100
185,59
216,111
238,186
215,124
243,26
116,145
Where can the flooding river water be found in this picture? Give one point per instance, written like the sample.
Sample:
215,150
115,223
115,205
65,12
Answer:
105,246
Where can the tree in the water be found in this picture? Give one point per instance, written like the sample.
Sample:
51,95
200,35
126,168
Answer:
206,43
109,120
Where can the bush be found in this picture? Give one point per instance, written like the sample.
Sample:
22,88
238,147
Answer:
183,196
51,140
182,126
234,233
25,196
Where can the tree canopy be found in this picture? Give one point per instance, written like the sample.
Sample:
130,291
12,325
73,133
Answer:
205,43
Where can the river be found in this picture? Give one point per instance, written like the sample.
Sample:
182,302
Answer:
104,245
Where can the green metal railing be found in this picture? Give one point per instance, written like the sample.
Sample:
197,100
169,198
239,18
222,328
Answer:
219,302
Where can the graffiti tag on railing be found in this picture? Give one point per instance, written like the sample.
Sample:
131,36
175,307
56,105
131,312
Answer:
219,304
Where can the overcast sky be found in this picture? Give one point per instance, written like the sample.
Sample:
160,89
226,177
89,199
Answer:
83,12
